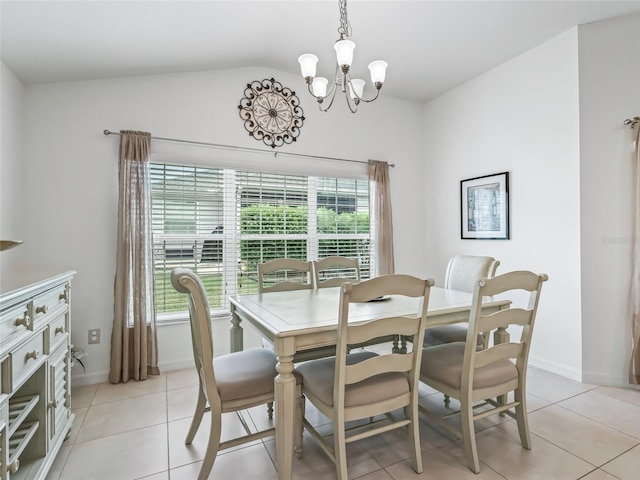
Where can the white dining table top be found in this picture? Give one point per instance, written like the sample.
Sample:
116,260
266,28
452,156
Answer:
290,313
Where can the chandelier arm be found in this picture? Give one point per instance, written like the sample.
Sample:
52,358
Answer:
353,108
311,91
361,99
371,99
336,76
331,93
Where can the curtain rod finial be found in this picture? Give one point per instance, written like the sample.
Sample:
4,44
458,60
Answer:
106,132
632,122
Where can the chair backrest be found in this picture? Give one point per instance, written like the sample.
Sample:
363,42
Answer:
354,334
334,271
187,282
523,317
464,271
284,274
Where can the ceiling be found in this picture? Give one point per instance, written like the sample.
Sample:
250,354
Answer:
431,46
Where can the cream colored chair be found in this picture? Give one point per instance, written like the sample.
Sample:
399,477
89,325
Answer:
364,385
463,272
227,383
284,274
334,271
472,375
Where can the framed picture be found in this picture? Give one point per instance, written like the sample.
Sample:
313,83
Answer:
484,205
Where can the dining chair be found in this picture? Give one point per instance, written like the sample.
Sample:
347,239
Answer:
463,272
334,271
366,385
482,378
227,383
284,274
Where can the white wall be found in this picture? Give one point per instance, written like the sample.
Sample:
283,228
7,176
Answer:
609,93
526,117
72,175
521,117
12,185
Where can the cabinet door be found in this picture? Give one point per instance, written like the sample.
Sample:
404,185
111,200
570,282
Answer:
59,398
4,448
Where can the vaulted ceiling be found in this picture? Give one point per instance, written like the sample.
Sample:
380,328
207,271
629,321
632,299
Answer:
431,46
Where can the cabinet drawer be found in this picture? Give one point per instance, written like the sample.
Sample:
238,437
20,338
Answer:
25,359
50,301
59,403
58,330
14,323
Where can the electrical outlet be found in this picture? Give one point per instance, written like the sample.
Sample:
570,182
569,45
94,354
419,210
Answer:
94,336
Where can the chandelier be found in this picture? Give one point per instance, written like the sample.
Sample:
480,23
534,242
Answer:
353,88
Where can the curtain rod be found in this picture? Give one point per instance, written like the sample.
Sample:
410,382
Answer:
247,149
632,122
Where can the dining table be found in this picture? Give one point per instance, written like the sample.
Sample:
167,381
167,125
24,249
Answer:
306,320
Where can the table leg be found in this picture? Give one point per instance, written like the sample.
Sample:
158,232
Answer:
236,332
285,390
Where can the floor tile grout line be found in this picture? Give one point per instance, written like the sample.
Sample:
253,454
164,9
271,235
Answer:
614,397
598,470
564,449
129,397
618,456
637,439
583,416
119,433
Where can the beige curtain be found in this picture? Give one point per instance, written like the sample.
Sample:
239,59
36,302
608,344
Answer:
380,202
634,367
134,343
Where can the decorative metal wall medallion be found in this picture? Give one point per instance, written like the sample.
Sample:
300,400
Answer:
271,112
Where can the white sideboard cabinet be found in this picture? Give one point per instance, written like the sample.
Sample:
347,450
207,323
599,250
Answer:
35,389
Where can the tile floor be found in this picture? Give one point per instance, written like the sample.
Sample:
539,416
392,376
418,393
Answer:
136,431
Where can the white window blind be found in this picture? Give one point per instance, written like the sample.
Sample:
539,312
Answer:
222,222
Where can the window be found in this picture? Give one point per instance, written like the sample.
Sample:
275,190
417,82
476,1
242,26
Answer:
221,223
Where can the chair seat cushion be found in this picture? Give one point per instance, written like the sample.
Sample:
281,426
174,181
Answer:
317,378
443,363
447,334
245,374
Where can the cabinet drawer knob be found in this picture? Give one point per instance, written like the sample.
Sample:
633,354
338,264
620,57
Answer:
59,330
42,309
26,321
35,354
53,404
14,466
63,296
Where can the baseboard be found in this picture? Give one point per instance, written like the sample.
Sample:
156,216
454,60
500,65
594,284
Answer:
177,364
103,377
89,379
592,378
560,369
597,378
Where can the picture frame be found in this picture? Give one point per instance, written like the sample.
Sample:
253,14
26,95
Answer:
484,207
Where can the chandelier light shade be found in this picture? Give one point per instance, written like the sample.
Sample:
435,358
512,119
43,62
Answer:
308,63
352,88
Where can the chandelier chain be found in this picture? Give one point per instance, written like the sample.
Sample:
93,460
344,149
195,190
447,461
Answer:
345,27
